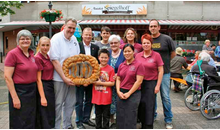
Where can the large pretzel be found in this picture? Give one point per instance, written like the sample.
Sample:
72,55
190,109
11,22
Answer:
81,69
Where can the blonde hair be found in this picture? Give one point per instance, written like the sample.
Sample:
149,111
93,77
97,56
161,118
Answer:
207,40
39,43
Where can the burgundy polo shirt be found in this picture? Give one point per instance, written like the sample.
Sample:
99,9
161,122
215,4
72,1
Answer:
137,47
25,69
128,73
45,65
151,64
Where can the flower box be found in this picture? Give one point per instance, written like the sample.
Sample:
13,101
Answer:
51,15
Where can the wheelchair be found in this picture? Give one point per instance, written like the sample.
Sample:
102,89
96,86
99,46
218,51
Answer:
192,97
208,99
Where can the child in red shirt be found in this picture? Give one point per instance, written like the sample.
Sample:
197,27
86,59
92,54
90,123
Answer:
102,91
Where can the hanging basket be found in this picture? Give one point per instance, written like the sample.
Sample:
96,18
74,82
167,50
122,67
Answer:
50,17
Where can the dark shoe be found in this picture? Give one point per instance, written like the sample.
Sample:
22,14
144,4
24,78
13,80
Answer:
176,90
90,123
179,89
71,127
113,126
80,126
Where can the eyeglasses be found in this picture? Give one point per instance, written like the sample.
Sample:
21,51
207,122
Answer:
23,39
111,43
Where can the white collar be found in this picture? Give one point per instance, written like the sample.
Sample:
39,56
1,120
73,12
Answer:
66,38
87,45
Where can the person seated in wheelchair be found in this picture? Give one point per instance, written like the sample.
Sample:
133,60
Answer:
176,67
212,77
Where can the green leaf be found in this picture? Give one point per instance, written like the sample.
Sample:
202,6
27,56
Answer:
5,7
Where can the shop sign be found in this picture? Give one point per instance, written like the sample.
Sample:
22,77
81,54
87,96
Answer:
114,9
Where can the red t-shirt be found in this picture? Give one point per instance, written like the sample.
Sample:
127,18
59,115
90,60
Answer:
25,69
102,95
150,64
137,47
45,66
128,73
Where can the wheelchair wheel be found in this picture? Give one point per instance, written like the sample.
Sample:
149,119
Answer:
210,104
192,99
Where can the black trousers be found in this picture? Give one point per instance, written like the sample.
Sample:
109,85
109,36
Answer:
126,113
46,115
25,117
147,104
102,116
176,75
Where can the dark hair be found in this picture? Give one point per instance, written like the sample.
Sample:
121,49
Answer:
105,28
105,51
156,21
128,45
213,45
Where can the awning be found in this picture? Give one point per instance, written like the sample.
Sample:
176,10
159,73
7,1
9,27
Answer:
146,22
118,24
38,24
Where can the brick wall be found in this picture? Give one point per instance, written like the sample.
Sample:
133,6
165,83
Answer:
11,40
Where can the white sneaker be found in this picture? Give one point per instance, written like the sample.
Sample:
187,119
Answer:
93,116
169,126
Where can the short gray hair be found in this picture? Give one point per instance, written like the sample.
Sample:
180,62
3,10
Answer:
113,36
71,19
24,33
204,56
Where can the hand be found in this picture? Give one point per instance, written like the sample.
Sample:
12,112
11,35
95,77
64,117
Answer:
126,95
85,85
16,103
121,95
157,89
115,76
43,102
68,81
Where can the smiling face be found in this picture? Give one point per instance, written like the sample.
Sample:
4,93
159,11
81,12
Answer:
87,36
69,29
44,46
130,35
24,42
128,53
146,45
115,44
105,35
103,58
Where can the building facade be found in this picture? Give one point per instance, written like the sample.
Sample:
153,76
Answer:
189,23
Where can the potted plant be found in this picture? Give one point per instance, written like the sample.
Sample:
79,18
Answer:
51,15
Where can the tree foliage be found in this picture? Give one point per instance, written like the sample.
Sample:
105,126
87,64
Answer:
5,7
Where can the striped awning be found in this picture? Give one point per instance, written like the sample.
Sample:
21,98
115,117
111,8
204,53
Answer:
118,24
121,21
146,22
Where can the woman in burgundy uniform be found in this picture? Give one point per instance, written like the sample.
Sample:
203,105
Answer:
153,65
130,37
46,96
20,73
129,78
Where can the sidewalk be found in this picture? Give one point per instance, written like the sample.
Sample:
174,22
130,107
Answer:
183,118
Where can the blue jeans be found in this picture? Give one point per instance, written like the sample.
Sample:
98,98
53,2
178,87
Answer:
83,103
165,97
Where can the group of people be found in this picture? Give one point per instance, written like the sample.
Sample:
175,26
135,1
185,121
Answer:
131,75
208,55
